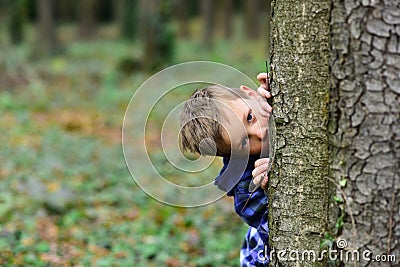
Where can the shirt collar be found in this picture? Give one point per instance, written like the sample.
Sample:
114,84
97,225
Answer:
228,178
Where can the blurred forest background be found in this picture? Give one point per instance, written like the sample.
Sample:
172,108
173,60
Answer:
67,72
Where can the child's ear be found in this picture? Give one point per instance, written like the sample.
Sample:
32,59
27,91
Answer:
248,91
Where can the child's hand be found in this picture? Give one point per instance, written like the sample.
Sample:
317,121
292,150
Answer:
260,172
263,79
264,93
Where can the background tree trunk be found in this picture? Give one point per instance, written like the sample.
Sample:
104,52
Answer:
128,18
253,18
208,22
47,39
87,18
150,10
365,125
16,20
227,13
159,39
181,13
299,190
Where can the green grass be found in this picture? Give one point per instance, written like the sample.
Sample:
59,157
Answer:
66,196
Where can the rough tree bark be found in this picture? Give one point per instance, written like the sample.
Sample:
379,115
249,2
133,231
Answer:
298,190
365,125
346,131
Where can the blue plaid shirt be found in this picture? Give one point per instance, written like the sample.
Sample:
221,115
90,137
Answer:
255,249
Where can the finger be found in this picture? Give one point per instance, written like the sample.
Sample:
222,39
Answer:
262,76
264,182
265,105
257,179
261,161
264,92
261,179
268,108
264,84
259,170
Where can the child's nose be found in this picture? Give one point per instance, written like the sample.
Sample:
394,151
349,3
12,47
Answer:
259,132
262,132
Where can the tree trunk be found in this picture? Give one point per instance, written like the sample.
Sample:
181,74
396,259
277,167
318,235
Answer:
87,18
47,39
149,18
356,122
268,26
227,13
365,125
128,10
117,9
252,19
208,22
16,20
181,13
158,35
299,190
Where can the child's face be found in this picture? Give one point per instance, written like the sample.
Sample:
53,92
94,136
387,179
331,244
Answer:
248,129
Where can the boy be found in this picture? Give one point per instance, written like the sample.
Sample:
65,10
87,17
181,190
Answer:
232,123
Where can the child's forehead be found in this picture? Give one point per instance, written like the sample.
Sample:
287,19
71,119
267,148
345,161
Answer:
234,114
237,106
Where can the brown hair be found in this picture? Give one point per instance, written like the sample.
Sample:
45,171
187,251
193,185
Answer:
200,120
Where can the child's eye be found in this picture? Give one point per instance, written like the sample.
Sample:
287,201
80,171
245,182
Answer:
250,116
245,141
